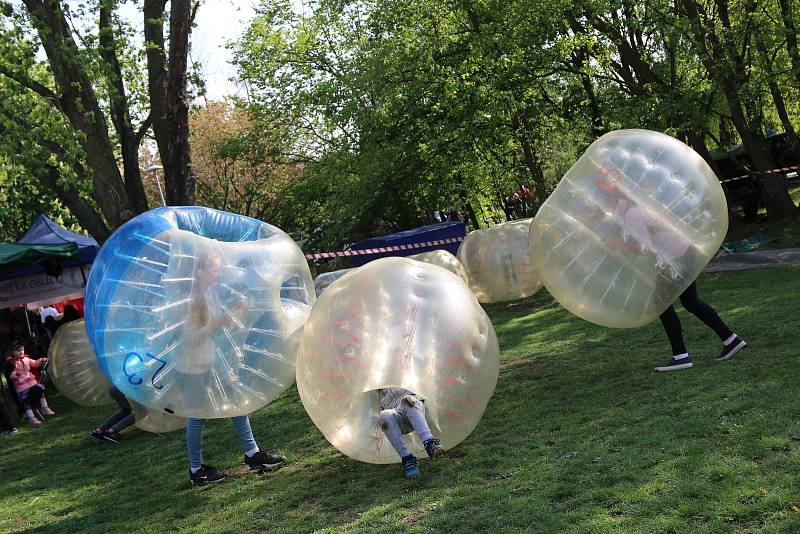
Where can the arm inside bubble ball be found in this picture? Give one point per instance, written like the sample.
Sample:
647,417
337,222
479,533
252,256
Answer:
207,314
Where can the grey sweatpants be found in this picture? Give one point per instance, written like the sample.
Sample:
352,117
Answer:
409,416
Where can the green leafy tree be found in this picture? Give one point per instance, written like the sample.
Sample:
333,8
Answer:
401,108
239,164
93,77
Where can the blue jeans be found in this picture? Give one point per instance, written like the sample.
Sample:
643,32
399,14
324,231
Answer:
194,438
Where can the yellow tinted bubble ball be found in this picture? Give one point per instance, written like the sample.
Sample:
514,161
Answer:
499,263
396,322
73,367
630,226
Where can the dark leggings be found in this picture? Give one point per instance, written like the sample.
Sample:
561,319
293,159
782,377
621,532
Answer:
122,418
5,420
692,303
32,398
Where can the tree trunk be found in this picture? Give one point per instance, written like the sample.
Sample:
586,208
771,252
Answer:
87,217
774,90
79,103
120,116
698,142
727,136
630,55
776,194
791,37
49,178
157,79
579,59
520,124
714,55
181,188
471,213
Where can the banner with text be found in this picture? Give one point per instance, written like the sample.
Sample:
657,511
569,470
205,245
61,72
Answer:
41,289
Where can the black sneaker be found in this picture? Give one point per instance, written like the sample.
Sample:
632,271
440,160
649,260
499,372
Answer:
433,448
98,435
207,475
112,436
730,349
676,365
8,432
263,460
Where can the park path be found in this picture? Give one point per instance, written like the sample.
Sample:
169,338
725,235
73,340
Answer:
737,261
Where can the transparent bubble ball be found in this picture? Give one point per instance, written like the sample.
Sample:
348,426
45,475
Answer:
396,322
155,421
323,280
630,226
499,263
443,259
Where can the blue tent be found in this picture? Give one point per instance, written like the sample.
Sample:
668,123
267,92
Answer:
44,231
444,230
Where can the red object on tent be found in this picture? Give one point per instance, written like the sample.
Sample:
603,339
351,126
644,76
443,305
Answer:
75,303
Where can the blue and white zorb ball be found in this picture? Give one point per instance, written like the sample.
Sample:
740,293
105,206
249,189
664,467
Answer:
195,311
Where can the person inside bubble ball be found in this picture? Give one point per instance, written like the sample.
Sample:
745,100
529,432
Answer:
651,236
403,412
206,315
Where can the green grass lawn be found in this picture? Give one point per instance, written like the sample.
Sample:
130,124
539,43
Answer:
580,436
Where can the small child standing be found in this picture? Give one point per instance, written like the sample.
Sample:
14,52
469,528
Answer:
403,412
28,389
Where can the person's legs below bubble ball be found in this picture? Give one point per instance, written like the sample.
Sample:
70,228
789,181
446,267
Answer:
731,343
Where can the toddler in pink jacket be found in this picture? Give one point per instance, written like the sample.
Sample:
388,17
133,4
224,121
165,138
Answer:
28,389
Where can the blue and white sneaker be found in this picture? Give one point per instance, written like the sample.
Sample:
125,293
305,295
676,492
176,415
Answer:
730,349
410,469
676,364
433,448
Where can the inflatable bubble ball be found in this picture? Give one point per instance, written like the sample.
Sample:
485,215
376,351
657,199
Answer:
323,280
193,311
444,259
630,226
498,262
73,367
396,322
155,421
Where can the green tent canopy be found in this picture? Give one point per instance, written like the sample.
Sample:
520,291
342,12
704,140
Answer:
14,257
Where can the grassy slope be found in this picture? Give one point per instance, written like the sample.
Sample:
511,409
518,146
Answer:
580,436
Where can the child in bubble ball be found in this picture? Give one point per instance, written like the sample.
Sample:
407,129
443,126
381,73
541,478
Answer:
403,412
206,316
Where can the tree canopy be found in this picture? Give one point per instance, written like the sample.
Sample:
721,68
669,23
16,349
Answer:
78,96
367,116
399,108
